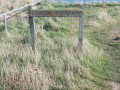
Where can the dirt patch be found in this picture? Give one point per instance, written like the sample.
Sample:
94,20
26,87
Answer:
115,85
117,38
114,34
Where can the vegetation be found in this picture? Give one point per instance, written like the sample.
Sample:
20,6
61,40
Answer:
58,63
6,5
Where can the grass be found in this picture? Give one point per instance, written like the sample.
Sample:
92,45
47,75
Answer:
105,33
58,63
6,5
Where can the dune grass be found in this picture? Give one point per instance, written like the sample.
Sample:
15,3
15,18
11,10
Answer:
58,63
6,5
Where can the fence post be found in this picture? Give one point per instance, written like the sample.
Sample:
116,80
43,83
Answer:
81,26
32,30
5,24
84,1
42,4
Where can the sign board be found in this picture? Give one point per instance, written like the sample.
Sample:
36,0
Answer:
56,13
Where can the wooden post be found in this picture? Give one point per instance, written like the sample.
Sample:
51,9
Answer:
42,4
42,8
81,26
5,24
32,30
84,1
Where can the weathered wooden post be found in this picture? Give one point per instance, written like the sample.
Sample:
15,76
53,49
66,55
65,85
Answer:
42,4
32,30
5,24
81,26
84,1
42,8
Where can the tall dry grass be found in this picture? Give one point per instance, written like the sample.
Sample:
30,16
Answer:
57,63
7,5
23,69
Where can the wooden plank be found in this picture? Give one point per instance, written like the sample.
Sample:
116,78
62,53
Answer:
56,13
81,26
32,31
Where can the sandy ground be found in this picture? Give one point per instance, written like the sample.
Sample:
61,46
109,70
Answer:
115,86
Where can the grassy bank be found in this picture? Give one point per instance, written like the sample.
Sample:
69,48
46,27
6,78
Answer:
104,29
58,64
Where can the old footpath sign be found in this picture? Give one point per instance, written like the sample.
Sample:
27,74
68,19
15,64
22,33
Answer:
56,13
